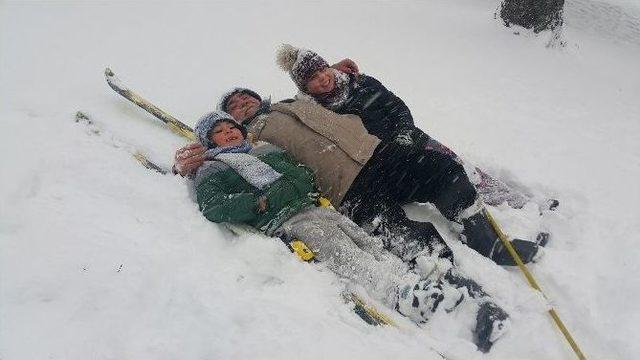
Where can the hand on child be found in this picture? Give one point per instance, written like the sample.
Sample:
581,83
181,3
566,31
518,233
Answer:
189,158
261,204
347,66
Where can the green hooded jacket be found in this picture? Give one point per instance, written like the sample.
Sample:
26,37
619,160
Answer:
224,196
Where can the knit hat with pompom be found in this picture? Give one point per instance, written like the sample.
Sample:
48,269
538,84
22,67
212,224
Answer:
300,63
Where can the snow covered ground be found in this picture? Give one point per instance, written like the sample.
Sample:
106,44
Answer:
102,259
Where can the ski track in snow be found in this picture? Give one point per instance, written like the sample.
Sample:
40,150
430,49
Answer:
103,259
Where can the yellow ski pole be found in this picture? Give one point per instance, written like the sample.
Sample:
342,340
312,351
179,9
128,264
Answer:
534,284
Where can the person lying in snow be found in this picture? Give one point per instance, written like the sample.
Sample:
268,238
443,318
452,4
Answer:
344,90
266,188
433,173
336,155
348,162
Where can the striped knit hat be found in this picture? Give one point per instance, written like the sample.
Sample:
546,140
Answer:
300,63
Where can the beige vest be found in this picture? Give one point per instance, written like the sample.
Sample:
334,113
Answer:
334,146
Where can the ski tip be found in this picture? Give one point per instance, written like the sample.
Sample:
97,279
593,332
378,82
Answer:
113,81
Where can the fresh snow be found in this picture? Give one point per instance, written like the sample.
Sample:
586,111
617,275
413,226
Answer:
103,259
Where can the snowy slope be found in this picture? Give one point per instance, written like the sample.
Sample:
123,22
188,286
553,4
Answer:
102,259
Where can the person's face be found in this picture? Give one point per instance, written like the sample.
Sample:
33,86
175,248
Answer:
242,106
322,82
225,134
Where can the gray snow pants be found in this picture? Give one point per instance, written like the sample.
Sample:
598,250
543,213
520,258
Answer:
350,252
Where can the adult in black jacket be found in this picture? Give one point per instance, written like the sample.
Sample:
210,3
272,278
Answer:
409,165
383,113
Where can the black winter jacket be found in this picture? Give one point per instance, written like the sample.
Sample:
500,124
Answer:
383,113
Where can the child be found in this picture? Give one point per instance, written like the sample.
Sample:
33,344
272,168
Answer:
414,167
264,187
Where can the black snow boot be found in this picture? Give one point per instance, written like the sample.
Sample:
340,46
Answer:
527,250
479,235
491,323
408,238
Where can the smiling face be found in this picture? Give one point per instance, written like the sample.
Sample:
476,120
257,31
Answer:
225,134
322,82
242,106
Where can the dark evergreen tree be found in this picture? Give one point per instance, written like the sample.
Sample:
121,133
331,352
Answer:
538,15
